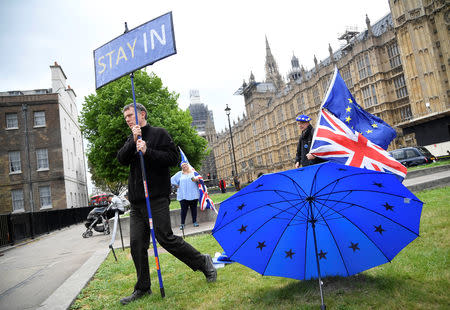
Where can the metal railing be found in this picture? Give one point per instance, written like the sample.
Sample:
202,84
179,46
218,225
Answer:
15,227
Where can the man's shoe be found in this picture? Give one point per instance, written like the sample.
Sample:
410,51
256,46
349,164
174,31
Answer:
181,226
196,224
209,270
135,296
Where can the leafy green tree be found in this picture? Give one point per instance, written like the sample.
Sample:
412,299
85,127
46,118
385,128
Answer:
104,127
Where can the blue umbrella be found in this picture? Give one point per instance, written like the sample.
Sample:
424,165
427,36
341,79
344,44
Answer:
321,220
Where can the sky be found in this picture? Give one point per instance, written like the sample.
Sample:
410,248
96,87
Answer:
219,43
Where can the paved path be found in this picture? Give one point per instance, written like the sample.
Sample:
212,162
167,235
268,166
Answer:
50,271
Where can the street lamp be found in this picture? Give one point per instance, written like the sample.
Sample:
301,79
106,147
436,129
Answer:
227,111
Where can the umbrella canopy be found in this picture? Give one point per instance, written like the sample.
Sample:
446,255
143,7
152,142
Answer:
321,220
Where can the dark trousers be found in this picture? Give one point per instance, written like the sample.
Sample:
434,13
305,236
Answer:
140,239
185,205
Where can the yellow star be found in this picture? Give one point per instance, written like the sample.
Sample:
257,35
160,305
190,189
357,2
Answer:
369,131
348,109
348,119
374,125
350,100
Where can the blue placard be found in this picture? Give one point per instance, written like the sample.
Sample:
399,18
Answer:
135,49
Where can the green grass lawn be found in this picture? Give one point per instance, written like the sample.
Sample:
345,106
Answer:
417,278
174,204
435,164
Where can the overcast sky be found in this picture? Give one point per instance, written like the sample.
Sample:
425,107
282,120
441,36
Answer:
218,42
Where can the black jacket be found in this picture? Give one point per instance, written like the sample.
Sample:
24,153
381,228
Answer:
160,155
303,147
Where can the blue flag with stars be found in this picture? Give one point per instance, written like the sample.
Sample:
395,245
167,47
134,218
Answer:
341,103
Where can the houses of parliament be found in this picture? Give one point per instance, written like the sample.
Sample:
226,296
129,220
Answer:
396,69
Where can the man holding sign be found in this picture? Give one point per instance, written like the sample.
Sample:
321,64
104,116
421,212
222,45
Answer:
159,154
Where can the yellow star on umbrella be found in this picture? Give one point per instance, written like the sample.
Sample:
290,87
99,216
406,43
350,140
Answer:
348,109
350,100
348,119
374,125
368,131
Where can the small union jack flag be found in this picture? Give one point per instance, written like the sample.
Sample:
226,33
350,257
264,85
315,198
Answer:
336,142
204,199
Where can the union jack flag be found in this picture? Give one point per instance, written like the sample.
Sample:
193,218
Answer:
204,199
335,141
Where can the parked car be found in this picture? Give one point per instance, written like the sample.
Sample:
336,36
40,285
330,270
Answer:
413,156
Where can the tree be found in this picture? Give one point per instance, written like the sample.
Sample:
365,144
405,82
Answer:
104,127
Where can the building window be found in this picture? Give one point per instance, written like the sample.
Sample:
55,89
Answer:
14,162
374,95
45,197
346,75
42,159
394,55
325,83
17,200
405,113
363,64
400,86
316,95
12,121
369,96
39,119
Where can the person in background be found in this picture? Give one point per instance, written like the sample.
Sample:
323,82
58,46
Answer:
187,192
115,203
159,153
237,184
223,186
303,157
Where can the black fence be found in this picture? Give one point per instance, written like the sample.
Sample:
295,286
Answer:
20,226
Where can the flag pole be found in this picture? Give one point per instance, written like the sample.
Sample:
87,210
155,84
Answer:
147,199
313,221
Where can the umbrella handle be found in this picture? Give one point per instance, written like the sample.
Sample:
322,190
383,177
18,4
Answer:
313,224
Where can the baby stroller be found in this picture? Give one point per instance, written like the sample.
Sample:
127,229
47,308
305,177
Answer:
98,219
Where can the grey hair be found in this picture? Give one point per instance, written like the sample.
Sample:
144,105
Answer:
139,108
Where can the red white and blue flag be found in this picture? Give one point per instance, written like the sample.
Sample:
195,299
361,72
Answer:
204,199
335,141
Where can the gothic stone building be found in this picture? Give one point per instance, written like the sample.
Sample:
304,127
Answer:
42,157
396,69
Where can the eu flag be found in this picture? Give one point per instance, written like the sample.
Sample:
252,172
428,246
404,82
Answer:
341,103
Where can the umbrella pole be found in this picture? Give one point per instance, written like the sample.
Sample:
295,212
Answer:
313,224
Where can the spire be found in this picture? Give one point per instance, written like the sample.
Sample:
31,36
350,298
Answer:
272,74
369,27
331,53
294,62
315,64
252,78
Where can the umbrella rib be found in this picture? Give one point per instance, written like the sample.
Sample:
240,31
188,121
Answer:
331,233
288,201
365,235
328,196
373,211
276,244
254,209
350,175
295,183
369,191
242,243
